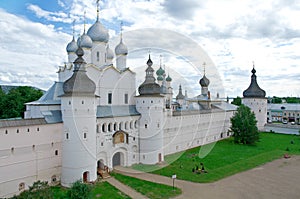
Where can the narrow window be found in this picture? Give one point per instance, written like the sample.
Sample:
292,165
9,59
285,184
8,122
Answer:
56,152
103,127
84,135
28,130
18,131
109,98
126,98
67,135
146,126
82,102
6,132
101,143
38,129
98,56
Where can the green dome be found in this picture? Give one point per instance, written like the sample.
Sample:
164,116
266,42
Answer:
160,78
168,79
160,72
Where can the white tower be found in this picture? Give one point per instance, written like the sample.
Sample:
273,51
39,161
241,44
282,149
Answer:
121,52
78,105
254,98
150,104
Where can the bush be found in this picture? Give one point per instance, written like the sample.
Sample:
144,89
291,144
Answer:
79,190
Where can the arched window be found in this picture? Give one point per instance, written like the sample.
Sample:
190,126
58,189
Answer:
21,186
53,178
109,127
135,124
103,128
115,126
131,125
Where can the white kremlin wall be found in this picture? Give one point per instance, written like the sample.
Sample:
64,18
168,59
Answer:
27,154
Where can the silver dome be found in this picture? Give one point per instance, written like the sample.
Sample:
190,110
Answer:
98,32
109,53
121,49
72,46
85,41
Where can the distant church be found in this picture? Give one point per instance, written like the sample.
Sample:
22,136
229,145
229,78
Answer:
92,119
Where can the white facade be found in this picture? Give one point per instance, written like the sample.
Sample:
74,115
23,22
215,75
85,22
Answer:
259,107
71,137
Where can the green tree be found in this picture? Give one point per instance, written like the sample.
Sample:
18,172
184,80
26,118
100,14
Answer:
276,100
243,126
237,101
12,104
79,190
293,100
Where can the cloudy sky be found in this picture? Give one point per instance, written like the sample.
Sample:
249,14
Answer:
227,35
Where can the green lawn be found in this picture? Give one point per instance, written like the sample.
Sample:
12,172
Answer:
150,189
227,158
104,190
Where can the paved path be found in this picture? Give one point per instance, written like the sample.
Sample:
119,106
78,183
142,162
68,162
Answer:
125,189
279,179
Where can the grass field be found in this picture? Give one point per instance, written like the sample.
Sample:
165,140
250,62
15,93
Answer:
150,189
227,158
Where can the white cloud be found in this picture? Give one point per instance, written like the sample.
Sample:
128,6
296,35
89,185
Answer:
31,52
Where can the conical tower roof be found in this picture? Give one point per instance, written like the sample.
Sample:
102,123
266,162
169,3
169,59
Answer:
79,83
254,91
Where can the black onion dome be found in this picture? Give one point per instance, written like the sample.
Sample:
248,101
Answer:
254,90
149,87
204,81
79,83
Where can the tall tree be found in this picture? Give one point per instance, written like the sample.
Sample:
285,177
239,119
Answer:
243,126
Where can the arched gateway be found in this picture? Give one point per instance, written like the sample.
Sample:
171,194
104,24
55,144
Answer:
118,159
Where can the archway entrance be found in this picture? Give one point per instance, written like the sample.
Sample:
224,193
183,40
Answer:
118,159
85,176
100,164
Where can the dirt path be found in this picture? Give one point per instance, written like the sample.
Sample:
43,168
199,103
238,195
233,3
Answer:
278,179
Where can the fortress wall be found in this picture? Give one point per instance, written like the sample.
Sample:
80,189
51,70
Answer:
189,131
28,154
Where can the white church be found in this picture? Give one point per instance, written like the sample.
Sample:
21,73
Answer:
95,117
